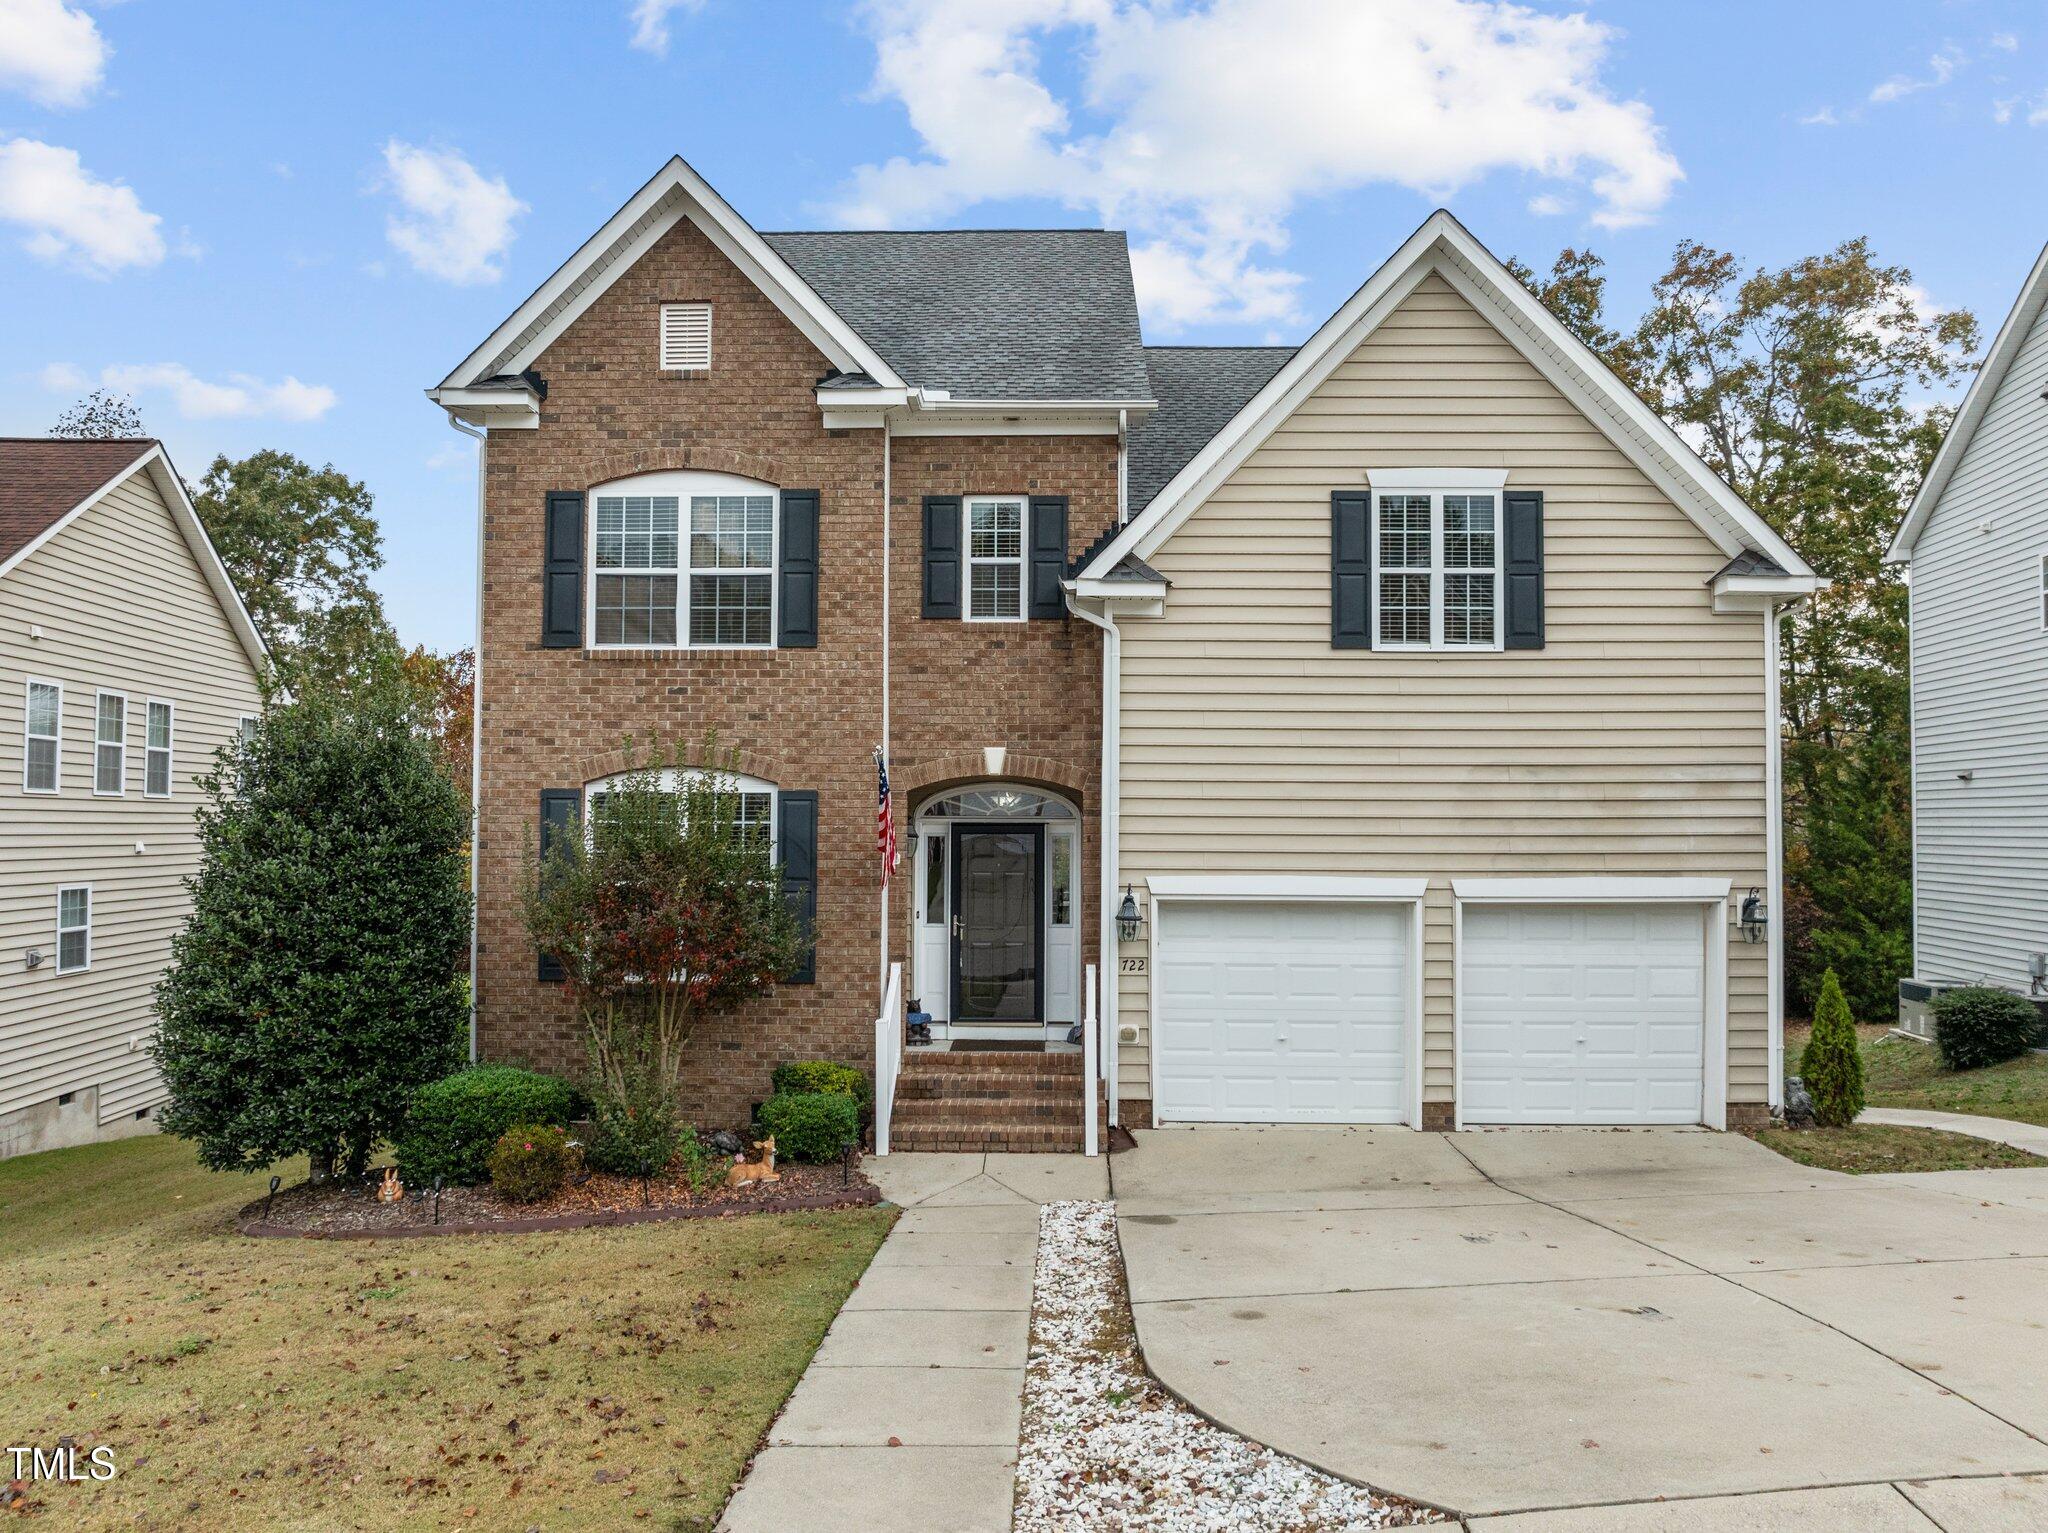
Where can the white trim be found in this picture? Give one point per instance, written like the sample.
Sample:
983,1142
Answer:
1759,593
1001,423
2005,347
1590,891
121,788
169,747
1475,479
172,489
1290,887
684,485
968,560
29,683
1445,246
57,956
1774,866
673,193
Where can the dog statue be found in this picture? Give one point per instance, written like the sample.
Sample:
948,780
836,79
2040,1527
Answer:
391,1189
763,1170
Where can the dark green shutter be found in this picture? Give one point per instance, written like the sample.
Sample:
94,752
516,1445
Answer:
796,838
1522,567
561,590
1350,569
561,811
796,607
1048,555
942,556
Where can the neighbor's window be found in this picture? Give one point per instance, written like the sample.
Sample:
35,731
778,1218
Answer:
110,744
1436,570
995,559
657,588
685,337
45,730
156,742
246,727
74,929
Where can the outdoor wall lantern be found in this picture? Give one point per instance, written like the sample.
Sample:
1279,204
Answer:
1756,916
1129,924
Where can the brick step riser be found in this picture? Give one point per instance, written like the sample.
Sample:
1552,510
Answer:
999,1087
991,1059
955,1143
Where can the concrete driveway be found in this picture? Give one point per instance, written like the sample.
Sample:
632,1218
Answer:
1505,1321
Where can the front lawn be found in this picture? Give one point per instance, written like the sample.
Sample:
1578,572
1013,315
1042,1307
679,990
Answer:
1867,1147
1898,1072
582,1380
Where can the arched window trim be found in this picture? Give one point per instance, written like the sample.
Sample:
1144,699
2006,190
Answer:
982,801
671,780
692,580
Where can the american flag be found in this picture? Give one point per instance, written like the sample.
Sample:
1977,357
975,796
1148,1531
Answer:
885,818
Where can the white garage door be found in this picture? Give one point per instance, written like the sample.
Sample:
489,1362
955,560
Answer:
1281,1013
1582,1013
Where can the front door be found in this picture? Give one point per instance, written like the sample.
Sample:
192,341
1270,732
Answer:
998,898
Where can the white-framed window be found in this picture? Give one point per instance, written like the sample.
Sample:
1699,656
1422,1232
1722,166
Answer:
683,561
74,929
754,814
245,729
1436,568
156,748
43,737
995,557
685,337
110,744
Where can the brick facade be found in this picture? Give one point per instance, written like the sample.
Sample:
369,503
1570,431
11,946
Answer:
800,718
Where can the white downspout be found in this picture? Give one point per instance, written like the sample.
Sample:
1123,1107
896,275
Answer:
1112,649
476,717
1774,857
882,972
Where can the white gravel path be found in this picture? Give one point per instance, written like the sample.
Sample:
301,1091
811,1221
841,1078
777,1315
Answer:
1104,1446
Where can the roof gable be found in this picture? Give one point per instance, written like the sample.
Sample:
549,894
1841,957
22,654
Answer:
2005,348
1444,246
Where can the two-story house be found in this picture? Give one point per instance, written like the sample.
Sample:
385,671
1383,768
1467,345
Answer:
126,661
1407,696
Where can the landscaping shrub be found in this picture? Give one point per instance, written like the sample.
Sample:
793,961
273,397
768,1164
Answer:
1978,1026
825,1078
532,1161
634,1126
810,1125
455,1121
1831,1066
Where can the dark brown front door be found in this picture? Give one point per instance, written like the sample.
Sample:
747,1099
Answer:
998,904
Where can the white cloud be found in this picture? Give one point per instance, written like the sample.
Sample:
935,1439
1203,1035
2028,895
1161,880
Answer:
1548,205
455,224
69,215
65,378
2005,42
1941,68
2037,114
240,397
50,51
650,23
1201,129
2001,108
1823,118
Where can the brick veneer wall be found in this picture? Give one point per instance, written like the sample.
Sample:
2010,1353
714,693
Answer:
803,719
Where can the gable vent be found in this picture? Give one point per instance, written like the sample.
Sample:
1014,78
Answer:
685,337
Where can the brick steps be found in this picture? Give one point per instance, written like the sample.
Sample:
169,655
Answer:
988,1100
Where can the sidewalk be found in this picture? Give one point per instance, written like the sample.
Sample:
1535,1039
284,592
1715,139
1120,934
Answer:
907,1418
2021,1136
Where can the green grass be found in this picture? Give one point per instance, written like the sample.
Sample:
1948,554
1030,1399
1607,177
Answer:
590,1379
1898,1072
1862,1148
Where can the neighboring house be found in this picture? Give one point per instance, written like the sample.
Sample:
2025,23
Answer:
1976,543
126,661
1460,837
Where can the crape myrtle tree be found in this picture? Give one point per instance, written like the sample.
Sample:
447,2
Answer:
1811,389
320,978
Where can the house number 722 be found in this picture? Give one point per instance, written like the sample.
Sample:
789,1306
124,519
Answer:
1130,965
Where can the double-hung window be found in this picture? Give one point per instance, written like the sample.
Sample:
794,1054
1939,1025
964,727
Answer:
110,744
74,929
156,746
995,558
43,747
1436,568
691,563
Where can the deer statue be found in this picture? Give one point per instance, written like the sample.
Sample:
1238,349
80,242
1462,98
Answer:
763,1170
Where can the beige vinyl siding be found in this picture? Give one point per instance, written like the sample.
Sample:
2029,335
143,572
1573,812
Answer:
123,606
1632,745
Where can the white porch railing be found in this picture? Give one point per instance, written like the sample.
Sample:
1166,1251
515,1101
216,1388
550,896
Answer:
888,1055
1091,1070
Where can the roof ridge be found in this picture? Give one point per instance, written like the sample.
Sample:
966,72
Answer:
1223,346
133,440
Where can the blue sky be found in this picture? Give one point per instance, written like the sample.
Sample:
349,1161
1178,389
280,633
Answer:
278,224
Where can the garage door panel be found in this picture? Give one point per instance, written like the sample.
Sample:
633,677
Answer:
1582,1014
1271,1012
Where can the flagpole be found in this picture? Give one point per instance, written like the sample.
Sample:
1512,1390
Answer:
882,969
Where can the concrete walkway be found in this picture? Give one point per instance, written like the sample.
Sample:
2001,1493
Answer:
2031,1137
908,1417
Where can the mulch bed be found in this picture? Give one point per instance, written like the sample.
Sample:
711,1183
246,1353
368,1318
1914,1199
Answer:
352,1212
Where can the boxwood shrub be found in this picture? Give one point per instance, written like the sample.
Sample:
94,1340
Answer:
532,1161
454,1122
1978,1025
825,1078
810,1125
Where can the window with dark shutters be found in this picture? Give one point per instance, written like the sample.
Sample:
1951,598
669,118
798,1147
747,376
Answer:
1350,569
942,556
1048,556
1522,568
561,813
796,840
796,625
561,596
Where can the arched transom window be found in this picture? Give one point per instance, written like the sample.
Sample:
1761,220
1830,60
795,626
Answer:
754,811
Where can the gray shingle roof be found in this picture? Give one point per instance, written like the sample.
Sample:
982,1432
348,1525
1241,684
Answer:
1750,562
1199,388
986,313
